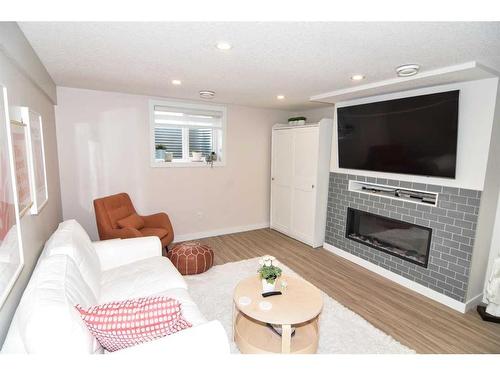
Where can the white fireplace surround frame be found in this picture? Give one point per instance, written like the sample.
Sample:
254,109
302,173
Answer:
462,307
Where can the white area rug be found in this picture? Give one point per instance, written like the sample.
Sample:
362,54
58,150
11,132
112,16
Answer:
341,330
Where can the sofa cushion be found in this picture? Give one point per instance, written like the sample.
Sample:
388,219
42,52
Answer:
119,325
131,221
71,239
158,232
46,320
143,278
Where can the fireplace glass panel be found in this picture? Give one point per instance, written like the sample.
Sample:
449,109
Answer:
404,240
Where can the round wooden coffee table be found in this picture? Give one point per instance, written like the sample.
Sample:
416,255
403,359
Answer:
298,307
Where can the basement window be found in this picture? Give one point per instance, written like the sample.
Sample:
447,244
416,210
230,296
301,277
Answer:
185,134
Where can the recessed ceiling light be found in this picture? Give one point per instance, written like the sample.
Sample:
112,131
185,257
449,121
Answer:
357,77
224,46
407,70
280,97
207,94
176,82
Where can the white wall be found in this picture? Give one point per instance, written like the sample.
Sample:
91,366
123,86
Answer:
103,143
28,84
475,117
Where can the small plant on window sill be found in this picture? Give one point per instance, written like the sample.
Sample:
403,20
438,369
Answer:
160,150
211,158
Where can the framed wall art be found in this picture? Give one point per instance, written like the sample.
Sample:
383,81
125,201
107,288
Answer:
11,252
22,164
37,159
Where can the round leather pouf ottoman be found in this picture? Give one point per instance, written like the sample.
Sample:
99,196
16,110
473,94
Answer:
191,257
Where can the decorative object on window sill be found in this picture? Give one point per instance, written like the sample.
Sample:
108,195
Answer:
169,156
268,273
197,156
297,121
211,158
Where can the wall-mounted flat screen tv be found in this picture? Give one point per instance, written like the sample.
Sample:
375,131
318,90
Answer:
415,135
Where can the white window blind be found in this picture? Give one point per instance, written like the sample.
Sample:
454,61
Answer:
201,140
171,138
184,130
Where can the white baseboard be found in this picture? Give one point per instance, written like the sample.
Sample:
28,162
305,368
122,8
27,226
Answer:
219,232
473,302
432,294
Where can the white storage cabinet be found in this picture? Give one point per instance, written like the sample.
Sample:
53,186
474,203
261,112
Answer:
299,180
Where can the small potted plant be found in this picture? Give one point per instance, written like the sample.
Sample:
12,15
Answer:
160,151
268,273
211,158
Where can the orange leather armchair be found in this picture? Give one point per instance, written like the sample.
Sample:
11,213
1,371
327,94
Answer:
111,209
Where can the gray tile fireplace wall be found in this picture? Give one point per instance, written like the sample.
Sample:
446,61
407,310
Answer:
453,224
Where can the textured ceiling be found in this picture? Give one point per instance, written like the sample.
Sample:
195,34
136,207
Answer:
295,59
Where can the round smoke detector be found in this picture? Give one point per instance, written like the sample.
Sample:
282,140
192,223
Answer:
407,70
207,94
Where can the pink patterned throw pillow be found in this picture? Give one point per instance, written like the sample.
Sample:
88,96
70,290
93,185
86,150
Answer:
118,325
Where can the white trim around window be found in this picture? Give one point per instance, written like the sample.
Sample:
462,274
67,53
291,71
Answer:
219,143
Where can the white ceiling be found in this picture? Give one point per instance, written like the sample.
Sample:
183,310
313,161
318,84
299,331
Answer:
295,59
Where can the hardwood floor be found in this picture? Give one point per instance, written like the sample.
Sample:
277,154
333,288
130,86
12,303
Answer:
414,320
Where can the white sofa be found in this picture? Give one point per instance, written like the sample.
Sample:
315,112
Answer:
73,270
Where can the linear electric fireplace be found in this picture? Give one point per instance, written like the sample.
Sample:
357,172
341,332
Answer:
404,240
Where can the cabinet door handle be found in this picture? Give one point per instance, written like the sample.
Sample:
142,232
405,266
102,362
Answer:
312,186
272,178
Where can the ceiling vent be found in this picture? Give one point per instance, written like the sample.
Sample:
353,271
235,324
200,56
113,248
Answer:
407,70
207,94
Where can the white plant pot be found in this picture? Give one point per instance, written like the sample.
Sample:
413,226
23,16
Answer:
267,287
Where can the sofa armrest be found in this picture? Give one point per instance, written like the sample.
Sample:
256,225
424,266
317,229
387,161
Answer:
206,338
118,252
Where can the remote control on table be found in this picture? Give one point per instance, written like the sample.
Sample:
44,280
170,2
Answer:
268,294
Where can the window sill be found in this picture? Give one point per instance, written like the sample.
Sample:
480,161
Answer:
185,164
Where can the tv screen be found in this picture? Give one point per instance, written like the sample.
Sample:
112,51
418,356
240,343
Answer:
415,135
